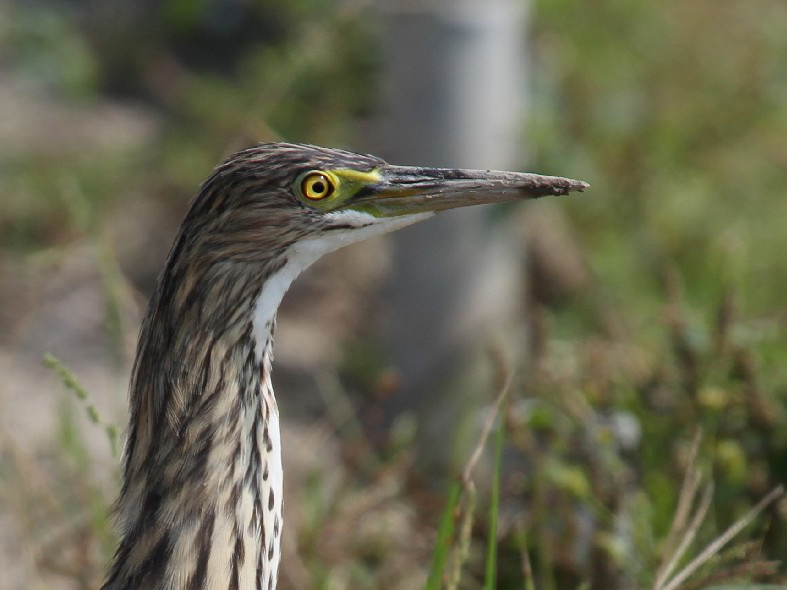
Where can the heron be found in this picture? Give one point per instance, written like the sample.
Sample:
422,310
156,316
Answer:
200,505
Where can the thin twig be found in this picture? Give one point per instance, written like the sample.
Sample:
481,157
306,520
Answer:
462,551
749,569
488,425
688,493
466,509
527,567
723,539
688,537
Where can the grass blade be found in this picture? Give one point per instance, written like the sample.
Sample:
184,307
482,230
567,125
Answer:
490,580
444,536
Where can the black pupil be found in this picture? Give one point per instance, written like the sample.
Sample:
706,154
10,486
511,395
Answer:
318,186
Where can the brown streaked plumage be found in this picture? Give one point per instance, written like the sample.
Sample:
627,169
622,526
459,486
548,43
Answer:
201,506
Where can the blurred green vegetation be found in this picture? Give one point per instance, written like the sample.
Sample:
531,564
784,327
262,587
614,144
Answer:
675,113
217,76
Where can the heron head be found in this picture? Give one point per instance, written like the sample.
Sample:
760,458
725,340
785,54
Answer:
276,197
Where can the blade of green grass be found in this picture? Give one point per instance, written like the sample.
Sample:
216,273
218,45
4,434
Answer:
444,535
527,568
461,550
490,580
465,486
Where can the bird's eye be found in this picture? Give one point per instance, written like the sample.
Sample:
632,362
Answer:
317,185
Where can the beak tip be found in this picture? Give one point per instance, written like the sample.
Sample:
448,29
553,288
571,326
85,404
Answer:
579,186
557,186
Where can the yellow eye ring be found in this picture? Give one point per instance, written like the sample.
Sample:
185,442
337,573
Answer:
316,186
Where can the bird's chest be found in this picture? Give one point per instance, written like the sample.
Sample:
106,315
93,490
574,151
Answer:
247,539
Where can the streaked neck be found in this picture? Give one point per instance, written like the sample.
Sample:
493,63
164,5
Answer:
201,503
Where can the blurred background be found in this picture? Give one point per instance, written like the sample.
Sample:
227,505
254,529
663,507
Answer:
633,315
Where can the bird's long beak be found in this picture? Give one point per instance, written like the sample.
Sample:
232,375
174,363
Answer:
403,190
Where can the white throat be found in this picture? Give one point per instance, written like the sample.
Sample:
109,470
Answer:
298,258
304,253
